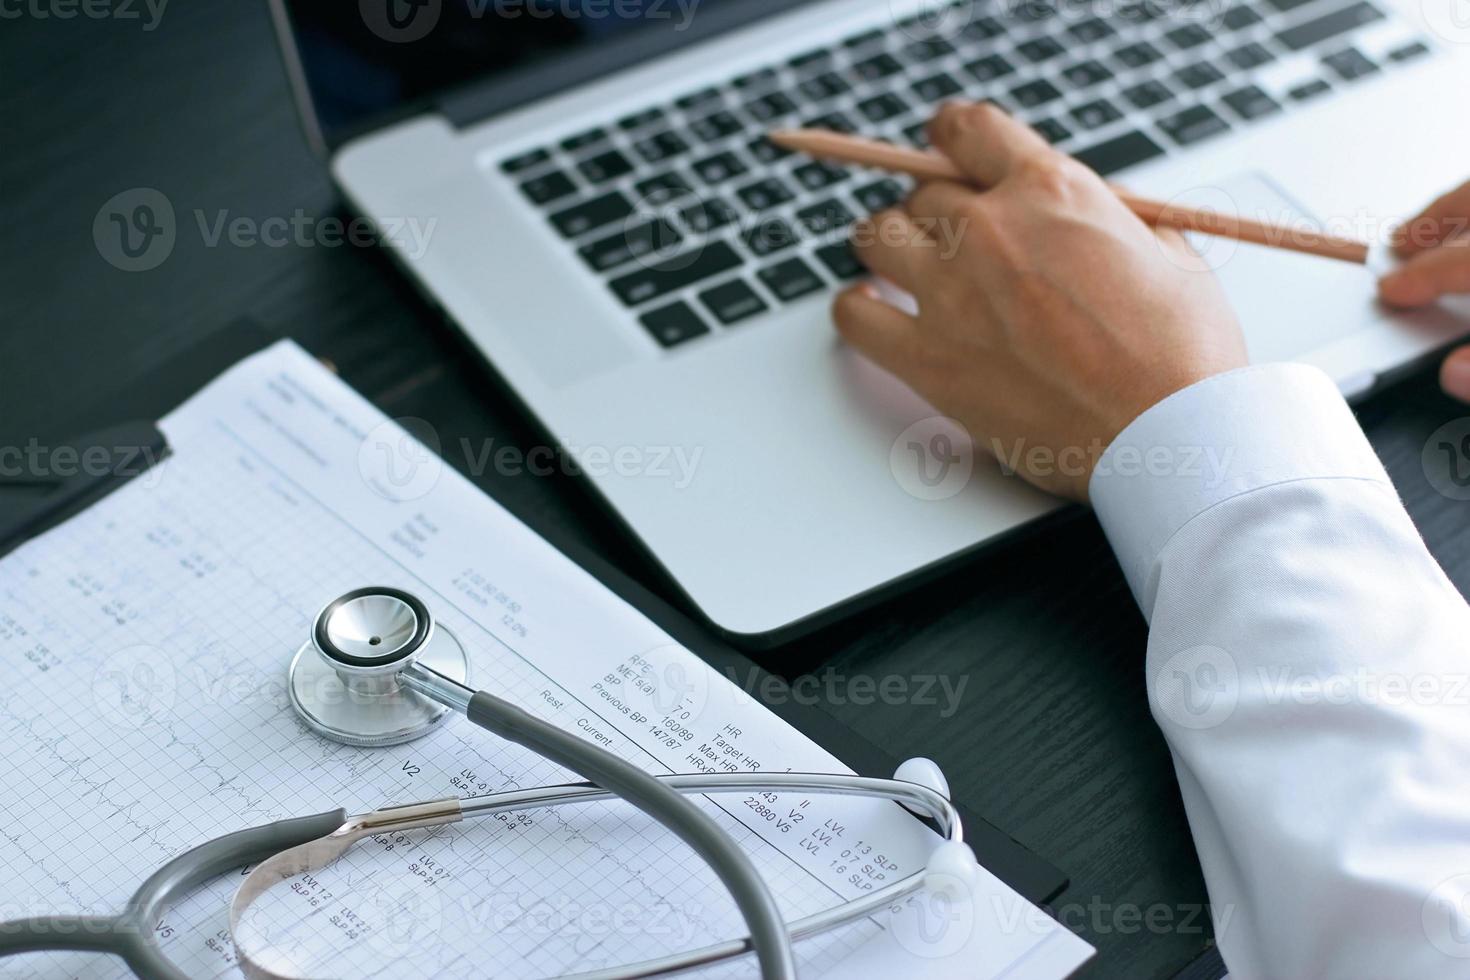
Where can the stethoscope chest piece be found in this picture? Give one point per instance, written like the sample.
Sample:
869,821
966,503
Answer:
344,682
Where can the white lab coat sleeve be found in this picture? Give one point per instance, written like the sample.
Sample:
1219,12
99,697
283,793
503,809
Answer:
1308,664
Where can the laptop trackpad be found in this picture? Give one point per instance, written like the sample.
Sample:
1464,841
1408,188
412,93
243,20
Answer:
1289,304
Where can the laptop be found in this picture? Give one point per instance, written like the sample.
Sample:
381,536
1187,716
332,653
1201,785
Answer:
602,217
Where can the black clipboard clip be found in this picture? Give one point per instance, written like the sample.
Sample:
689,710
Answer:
42,486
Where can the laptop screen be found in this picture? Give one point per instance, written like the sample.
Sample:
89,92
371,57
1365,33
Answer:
363,62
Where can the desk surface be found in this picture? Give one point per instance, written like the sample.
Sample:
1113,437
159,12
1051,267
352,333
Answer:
1052,739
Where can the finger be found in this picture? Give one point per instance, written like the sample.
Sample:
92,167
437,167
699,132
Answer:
1429,275
1446,217
983,141
1180,249
940,199
1454,376
891,245
886,335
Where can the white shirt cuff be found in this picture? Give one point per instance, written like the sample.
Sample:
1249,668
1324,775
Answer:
1225,436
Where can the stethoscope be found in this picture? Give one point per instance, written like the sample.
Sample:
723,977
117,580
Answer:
378,670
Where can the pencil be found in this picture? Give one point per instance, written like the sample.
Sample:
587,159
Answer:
932,166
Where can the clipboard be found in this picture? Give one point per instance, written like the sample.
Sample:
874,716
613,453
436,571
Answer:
29,506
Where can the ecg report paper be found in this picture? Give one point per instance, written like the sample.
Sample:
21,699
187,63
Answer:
151,634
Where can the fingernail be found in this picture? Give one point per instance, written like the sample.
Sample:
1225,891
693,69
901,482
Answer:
1455,375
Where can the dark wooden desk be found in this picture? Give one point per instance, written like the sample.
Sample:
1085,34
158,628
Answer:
1053,739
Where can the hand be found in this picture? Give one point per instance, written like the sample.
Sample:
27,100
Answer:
1057,317
1436,246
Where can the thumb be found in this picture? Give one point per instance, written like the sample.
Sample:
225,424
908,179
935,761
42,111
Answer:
1454,377
1429,275
885,334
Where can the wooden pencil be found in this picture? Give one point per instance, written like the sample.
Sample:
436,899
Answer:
925,165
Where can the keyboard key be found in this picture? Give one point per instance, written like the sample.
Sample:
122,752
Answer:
1309,90
638,120
702,99
581,141
708,215
1086,73
548,187
937,87
628,244
866,39
1091,115
524,162
590,215
720,168
1035,93
1239,18
1143,12
1039,49
660,146
840,260
834,121
769,236
765,194
1198,76
1415,49
982,28
1250,55
772,105
928,49
989,68
1034,11
880,194
732,302
1329,25
824,217
1286,6
1193,124
827,85
791,279
1119,153
756,79
1350,64
717,126
661,188
1147,94
877,67
881,108
811,61
1188,36
1137,55
918,134
670,274
1053,131
605,166
819,174
765,151
1250,102
672,325
1090,30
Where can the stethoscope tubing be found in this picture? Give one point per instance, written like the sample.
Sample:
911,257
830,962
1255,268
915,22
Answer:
922,799
131,936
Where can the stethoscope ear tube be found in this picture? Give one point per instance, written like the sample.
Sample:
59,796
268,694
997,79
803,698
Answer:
951,866
768,935
130,935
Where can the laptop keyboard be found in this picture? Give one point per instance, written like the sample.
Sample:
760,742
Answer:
697,223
